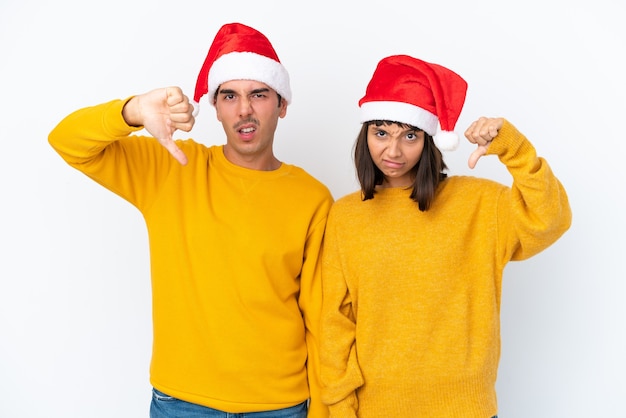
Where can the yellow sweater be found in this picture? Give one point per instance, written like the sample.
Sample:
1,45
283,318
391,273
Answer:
410,324
234,259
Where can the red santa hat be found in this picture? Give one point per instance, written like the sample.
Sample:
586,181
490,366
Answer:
240,52
408,90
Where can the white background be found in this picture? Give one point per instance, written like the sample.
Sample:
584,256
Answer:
75,320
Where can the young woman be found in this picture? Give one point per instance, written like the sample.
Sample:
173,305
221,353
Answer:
412,263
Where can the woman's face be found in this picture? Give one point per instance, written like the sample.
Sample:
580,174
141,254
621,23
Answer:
395,150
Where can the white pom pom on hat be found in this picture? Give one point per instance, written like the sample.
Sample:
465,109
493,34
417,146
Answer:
425,95
446,140
239,52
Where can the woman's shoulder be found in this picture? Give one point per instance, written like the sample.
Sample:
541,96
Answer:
347,202
471,183
349,199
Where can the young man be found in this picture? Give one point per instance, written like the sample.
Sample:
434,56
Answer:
235,234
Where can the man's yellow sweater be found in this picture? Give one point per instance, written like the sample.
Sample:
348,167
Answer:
411,311
234,259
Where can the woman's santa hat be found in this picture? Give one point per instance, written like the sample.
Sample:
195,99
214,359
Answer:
408,90
240,52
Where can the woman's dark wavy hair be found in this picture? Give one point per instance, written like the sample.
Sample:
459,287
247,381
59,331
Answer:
428,172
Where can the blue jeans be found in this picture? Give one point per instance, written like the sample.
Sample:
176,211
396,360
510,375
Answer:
165,406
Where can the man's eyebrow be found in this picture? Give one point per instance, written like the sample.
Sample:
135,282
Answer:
255,91
261,90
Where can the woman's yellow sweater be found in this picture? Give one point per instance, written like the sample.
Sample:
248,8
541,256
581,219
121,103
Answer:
410,324
234,258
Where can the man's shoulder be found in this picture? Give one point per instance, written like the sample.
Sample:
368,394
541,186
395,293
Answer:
306,178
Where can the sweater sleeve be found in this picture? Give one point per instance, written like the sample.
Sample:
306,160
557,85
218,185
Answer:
535,211
340,371
310,302
98,142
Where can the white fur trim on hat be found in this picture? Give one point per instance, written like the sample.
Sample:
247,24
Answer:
400,112
249,66
196,107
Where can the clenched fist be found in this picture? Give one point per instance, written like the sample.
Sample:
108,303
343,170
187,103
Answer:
161,112
481,132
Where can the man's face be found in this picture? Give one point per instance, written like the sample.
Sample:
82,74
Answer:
249,113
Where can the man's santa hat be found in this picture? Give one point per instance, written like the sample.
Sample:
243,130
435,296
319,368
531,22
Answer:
408,90
240,52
